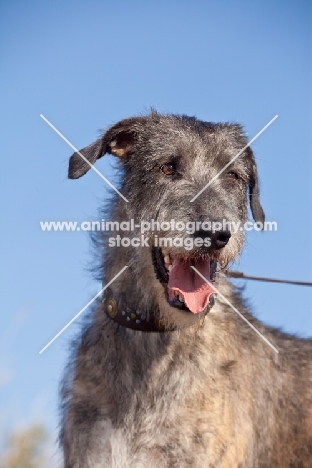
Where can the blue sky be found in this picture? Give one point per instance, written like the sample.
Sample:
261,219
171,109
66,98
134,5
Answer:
85,65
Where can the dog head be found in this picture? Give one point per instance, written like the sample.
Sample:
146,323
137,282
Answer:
182,169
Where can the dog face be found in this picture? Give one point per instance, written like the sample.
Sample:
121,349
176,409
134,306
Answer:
165,162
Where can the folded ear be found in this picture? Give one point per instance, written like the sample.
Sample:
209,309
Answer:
118,140
256,208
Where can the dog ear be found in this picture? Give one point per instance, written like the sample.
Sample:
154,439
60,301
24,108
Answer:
256,208
117,140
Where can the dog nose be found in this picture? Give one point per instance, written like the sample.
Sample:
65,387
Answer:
218,239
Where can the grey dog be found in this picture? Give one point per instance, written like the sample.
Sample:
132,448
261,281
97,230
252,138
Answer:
165,374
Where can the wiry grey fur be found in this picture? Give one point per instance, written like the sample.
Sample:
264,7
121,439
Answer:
211,393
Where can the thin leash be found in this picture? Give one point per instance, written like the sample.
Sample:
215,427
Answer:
240,275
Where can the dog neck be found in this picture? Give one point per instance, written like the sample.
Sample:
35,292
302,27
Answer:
134,319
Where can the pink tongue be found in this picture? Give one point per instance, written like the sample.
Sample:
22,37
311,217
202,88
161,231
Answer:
194,290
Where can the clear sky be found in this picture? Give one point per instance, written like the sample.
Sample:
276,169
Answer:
85,65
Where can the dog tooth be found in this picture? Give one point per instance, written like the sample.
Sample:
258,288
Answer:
181,299
170,267
167,259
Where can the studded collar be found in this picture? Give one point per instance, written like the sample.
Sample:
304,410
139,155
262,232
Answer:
135,319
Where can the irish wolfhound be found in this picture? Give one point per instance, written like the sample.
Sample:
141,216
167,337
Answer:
165,373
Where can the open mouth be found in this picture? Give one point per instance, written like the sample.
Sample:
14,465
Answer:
185,289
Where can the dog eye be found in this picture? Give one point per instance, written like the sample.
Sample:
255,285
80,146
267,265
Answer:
167,169
232,177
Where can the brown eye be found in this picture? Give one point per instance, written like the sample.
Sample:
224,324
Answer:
167,169
232,177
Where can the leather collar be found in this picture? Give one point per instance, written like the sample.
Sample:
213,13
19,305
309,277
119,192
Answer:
137,320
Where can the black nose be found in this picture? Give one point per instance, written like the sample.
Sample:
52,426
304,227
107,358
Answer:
218,239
